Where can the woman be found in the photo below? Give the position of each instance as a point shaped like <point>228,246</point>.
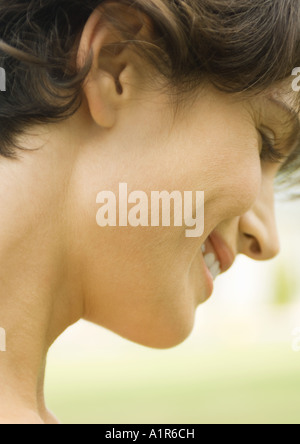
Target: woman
<point>159,95</point>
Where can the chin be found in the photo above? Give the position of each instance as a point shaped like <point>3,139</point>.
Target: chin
<point>162,343</point>
<point>169,334</point>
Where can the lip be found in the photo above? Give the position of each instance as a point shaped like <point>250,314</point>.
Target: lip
<point>224,253</point>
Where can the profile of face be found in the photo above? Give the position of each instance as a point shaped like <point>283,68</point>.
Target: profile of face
<point>145,283</point>
<point>73,243</point>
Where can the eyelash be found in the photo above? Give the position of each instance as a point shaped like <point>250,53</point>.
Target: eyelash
<point>269,153</point>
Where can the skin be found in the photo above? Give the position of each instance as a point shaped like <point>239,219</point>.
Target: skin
<point>58,266</point>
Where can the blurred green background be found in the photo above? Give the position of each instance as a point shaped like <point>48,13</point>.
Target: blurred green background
<point>241,365</point>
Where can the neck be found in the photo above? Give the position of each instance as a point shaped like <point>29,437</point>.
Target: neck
<point>39,291</point>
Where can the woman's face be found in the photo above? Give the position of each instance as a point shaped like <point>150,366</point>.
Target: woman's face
<point>145,283</point>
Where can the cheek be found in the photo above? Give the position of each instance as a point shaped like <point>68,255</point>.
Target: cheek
<point>231,180</point>
<point>135,281</point>
<point>242,186</point>
<point>224,158</point>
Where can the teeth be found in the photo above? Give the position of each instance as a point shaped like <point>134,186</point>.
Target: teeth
<point>215,270</point>
<point>210,259</point>
<point>212,264</point>
<point>203,248</point>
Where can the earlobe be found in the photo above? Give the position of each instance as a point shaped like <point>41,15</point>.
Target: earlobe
<point>100,94</point>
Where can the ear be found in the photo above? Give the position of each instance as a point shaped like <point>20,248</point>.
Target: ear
<point>106,87</point>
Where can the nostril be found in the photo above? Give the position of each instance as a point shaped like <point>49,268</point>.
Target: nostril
<point>119,87</point>
<point>254,247</point>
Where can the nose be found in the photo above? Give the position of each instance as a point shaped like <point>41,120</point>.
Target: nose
<point>258,236</point>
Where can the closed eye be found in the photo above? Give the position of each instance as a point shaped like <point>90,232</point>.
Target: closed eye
<point>269,153</point>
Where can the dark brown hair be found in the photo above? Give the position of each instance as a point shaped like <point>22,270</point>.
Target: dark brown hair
<point>239,45</point>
